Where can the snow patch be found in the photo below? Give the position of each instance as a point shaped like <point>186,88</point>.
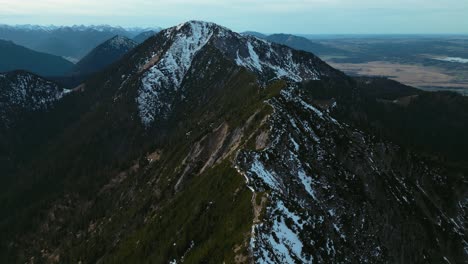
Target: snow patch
<point>307,182</point>
<point>278,60</point>
<point>28,92</point>
<point>268,178</point>
<point>452,59</point>
<point>251,62</point>
<point>167,75</point>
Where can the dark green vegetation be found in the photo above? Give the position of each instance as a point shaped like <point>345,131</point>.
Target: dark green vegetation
<point>433,123</point>
<point>14,57</point>
<point>219,206</point>
<point>430,123</point>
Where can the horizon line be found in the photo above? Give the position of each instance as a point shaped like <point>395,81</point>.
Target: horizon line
<point>242,31</point>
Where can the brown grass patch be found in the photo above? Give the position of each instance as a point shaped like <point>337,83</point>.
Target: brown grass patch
<point>413,75</point>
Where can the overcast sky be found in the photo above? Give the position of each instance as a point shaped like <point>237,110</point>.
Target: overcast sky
<point>268,16</point>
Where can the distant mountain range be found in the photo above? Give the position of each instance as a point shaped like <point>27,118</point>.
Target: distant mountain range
<point>15,57</point>
<point>72,42</point>
<point>104,55</point>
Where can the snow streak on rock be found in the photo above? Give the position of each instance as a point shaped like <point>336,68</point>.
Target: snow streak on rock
<point>167,75</point>
<point>324,202</point>
<point>283,238</point>
<point>276,62</point>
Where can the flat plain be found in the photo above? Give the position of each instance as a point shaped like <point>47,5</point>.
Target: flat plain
<point>425,62</point>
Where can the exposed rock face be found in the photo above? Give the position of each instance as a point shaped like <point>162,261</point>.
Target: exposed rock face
<point>336,195</point>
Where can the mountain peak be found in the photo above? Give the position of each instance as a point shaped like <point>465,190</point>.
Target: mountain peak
<point>197,23</point>
<point>196,26</point>
<point>177,47</point>
<point>104,55</point>
<point>268,60</point>
<point>120,41</point>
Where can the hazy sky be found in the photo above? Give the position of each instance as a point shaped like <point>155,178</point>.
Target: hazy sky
<point>269,16</point>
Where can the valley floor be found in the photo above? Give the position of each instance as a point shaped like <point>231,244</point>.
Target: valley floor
<point>423,77</point>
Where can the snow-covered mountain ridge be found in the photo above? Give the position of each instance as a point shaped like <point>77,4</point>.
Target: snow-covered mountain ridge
<point>100,28</point>
<point>171,60</point>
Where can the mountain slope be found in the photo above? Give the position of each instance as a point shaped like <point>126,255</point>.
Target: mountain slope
<point>22,91</point>
<point>104,55</point>
<point>205,146</point>
<point>332,191</point>
<point>15,57</point>
<point>24,97</point>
